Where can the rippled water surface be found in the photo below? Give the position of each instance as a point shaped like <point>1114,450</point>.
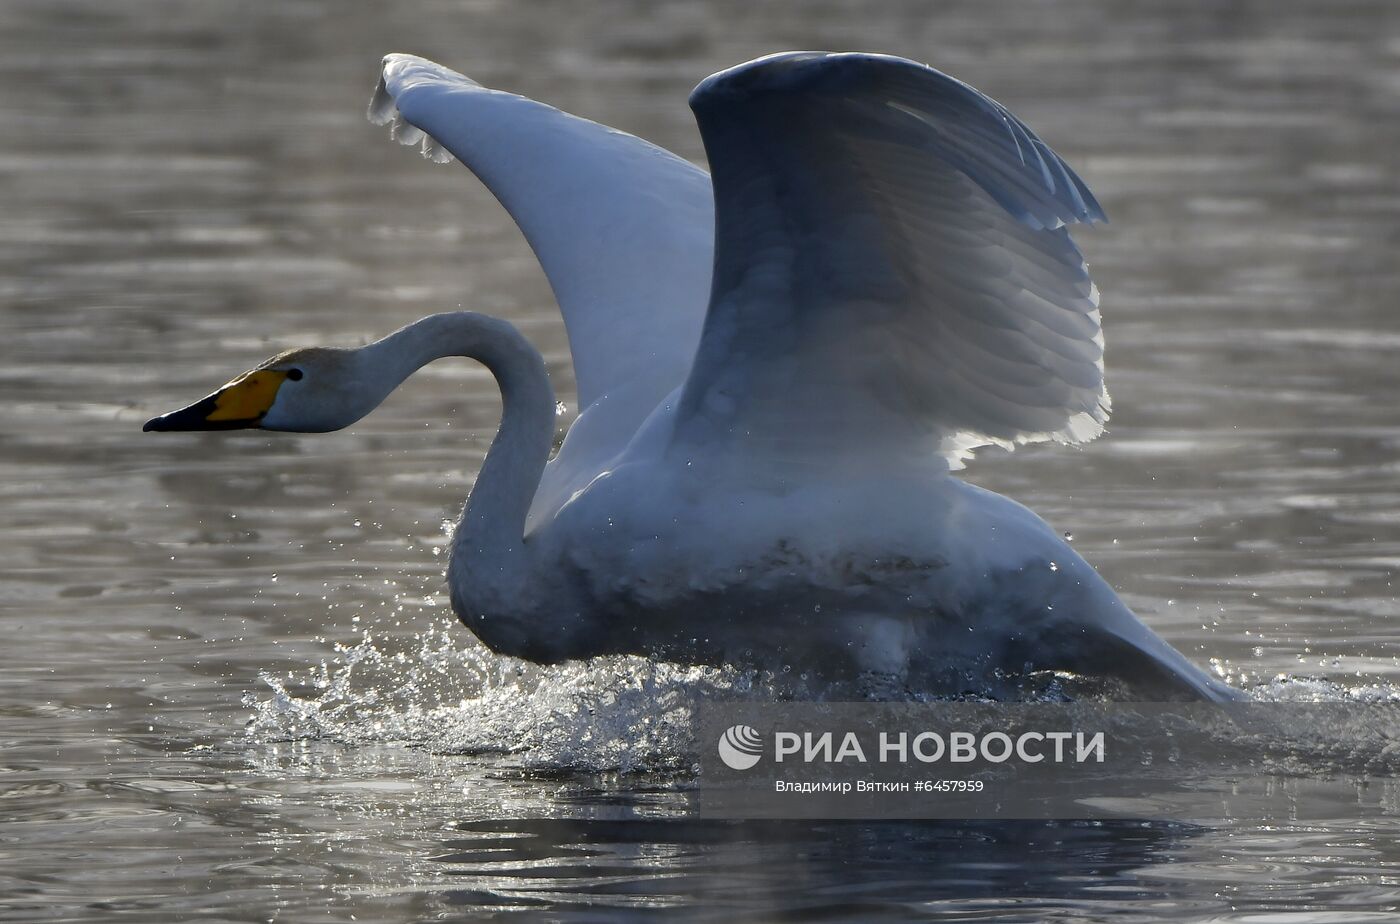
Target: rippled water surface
<point>189,187</point>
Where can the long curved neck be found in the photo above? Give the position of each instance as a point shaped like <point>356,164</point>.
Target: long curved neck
<point>491,532</point>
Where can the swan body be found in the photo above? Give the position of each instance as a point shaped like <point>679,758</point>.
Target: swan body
<point>779,365</point>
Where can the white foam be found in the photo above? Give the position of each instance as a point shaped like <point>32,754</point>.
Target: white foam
<point>442,691</point>
<point>449,694</point>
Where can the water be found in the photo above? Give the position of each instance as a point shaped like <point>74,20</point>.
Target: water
<point>190,187</point>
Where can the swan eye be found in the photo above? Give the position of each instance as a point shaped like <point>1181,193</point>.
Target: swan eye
<point>295,374</point>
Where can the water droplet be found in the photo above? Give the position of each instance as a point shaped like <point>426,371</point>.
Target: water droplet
<point>1054,567</point>
<point>560,408</point>
<point>1069,536</point>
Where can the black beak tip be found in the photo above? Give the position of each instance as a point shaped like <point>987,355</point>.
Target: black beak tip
<point>184,419</point>
<point>196,417</point>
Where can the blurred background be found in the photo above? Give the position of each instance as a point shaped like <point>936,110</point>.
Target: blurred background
<point>190,187</point>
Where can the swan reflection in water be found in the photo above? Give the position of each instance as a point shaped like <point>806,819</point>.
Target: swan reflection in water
<point>779,365</point>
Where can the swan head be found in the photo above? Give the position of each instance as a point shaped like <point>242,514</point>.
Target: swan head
<point>312,390</point>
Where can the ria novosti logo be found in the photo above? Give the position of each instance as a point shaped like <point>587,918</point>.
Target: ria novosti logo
<point>740,747</point>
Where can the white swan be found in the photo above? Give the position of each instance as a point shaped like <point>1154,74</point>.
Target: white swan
<point>777,368</point>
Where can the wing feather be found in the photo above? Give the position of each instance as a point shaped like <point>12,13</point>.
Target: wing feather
<point>892,271</point>
<point>623,229</point>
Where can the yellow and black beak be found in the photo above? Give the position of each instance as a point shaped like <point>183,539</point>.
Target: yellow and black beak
<point>240,404</point>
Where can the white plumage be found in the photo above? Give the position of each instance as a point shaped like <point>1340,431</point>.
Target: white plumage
<point>777,369</point>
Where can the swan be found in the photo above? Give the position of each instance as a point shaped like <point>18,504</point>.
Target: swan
<point>779,365</point>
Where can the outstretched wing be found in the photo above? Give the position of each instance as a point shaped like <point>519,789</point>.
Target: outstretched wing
<point>892,271</point>
<point>623,229</point>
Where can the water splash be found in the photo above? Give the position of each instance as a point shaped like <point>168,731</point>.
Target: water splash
<point>1290,689</point>
<point>446,693</point>
<point>442,691</point>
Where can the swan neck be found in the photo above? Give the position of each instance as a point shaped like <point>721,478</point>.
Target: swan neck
<point>492,526</point>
